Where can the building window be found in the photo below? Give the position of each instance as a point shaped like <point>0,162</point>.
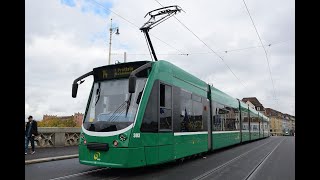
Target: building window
<point>258,108</point>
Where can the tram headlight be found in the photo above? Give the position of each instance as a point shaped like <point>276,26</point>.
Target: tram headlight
<point>115,143</point>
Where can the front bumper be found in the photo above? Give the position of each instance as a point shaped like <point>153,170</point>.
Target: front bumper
<point>114,157</point>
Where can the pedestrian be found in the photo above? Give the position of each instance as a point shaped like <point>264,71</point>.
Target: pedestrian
<point>30,133</point>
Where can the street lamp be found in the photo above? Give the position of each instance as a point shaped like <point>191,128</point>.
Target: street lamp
<point>112,30</point>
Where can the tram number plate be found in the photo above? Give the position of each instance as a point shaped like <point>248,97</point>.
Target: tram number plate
<point>136,135</point>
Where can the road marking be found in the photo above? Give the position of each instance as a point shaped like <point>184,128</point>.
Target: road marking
<point>256,169</point>
<point>206,174</point>
<point>79,174</point>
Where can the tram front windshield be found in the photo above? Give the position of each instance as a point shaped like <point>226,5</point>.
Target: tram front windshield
<point>111,107</point>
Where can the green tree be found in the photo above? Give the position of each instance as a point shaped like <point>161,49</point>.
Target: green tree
<point>56,122</point>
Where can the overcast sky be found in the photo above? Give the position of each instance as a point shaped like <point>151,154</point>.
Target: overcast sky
<point>65,39</point>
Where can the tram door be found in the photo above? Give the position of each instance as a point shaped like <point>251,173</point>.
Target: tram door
<point>165,135</point>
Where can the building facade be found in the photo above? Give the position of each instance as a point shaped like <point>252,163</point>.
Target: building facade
<point>276,118</point>
<point>78,118</point>
<point>254,103</point>
<point>285,124</point>
<point>293,125</point>
<point>280,124</point>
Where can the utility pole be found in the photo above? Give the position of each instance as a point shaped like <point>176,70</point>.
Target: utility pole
<point>111,31</point>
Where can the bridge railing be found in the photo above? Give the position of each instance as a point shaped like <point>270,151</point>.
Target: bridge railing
<point>57,136</point>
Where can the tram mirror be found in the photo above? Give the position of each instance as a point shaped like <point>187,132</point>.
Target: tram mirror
<point>132,84</point>
<point>74,90</point>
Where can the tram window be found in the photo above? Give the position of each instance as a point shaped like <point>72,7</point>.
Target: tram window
<point>196,123</point>
<point>237,118</point>
<point>168,99</point>
<point>162,95</point>
<point>176,108</point>
<point>165,107</point>
<point>165,119</point>
<point>245,121</point>
<point>192,112</point>
<point>205,114</point>
<point>230,119</point>
<point>196,98</point>
<point>150,119</point>
<point>219,117</point>
<point>165,95</point>
<point>185,110</point>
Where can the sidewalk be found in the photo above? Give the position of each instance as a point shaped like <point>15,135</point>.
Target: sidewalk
<point>51,154</point>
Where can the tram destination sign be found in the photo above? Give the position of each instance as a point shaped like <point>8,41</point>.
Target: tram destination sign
<point>117,71</point>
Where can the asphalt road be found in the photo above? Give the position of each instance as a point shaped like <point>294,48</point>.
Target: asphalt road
<point>270,158</point>
<point>280,164</point>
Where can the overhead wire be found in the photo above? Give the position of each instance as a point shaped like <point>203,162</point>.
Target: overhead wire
<point>196,53</point>
<point>274,91</point>
<point>212,51</point>
<point>181,53</point>
<point>108,9</point>
<point>262,45</point>
<point>207,47</point>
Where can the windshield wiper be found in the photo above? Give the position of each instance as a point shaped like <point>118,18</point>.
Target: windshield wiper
<point>139,96</point>
<point>128,104</point>
<point>119,110</point>
<point>98,93</point>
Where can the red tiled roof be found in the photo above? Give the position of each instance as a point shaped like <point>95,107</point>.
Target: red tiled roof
<point>253,100</point>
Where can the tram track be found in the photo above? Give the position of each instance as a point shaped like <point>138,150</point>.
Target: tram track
<point>254,171</point>
<point>230,162</point>
<point>83,173</point>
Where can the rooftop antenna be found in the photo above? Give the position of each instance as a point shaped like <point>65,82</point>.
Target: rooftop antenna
<point>164,13</point>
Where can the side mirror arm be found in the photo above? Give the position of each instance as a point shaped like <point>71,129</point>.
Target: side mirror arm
<point>75,84</point>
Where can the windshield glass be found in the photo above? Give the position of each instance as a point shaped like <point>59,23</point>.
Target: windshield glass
<point>111,108</point>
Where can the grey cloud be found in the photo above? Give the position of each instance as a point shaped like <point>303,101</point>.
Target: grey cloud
<point>59,48</point>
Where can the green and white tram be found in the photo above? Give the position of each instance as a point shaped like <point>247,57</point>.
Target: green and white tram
<point>150,112</point>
